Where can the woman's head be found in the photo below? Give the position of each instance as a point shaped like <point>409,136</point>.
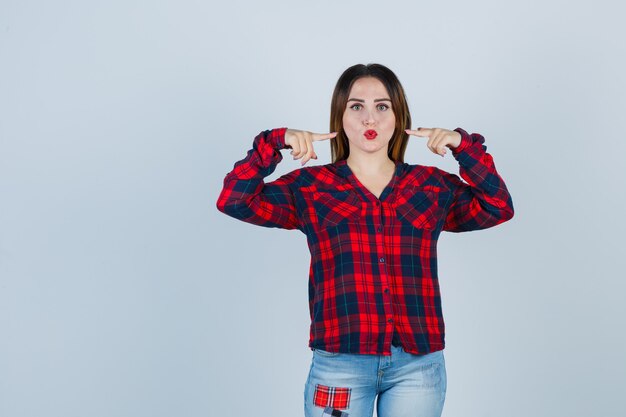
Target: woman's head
<point>340,145</point>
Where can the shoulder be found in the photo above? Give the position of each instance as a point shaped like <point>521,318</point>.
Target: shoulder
<point>305,176</point>
<point>425,175</point>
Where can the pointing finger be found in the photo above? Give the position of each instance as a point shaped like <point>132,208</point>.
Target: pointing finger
<point>421,131</point>
<point>320,136</point>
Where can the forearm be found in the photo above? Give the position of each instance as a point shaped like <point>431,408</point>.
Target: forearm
<point>485,200</point>
<point>245,195</point>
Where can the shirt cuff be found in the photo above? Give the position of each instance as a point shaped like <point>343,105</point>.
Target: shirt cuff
<point>466,141</point>
<point>278,137</point>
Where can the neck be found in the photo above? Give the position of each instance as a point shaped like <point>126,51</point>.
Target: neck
<point>370,164</point>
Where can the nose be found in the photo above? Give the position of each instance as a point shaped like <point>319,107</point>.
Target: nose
<point>368,118</point>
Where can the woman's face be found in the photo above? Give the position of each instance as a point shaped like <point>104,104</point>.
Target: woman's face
<point>368,120</point>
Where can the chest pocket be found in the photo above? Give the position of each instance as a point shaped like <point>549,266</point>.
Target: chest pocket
<point>421,207</point>
<point>336,207</point>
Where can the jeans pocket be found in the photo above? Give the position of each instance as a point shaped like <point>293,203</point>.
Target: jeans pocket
<point>321,352</point>
<point>431,375</point>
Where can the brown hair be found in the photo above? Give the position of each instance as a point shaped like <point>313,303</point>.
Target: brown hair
<point>339,146</point>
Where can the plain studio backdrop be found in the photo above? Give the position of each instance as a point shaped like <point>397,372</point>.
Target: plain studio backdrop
<point>124,292</point>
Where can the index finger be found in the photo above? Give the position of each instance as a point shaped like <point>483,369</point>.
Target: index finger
<point>421,131</point>
<point>324,136</point>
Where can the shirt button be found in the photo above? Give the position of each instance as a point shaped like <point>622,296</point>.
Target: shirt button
<point>389,320</point>
<point>380,228</point>
<point>386,290</point>
<point>382,260</point>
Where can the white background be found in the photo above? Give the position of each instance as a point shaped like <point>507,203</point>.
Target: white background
<point>124,292</point>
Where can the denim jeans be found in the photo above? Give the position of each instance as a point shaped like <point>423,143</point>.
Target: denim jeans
<point>345,384</point>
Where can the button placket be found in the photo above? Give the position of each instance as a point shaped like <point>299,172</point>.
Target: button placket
<point>379,215</point>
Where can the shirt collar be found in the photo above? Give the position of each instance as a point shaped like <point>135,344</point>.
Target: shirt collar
<point>344,170</point>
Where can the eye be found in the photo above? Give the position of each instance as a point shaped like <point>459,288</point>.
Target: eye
<point>383,107</point>
<point>355,105</point>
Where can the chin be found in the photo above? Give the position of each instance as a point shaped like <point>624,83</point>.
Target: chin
<point>374,149</point>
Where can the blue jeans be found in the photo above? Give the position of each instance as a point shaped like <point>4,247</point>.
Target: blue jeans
<point>345,384</point>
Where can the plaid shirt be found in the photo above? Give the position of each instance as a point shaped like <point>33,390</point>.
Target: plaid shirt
<point>373,261</point>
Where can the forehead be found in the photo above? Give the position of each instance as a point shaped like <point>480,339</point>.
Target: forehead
<point>368,87</point>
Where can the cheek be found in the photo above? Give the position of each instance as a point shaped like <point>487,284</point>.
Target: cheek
<point>390,121</point>
<point>348,123</point>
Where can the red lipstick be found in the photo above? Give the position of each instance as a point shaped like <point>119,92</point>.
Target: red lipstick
<point>370,134</point>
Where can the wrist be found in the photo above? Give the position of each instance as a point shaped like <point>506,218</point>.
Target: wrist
<point>466,140</point>
<point>280,134</point>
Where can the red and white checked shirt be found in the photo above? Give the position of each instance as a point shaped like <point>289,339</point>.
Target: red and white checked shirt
<point>373,261</point>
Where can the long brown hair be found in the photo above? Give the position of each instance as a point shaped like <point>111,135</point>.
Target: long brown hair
<point>339,145</point>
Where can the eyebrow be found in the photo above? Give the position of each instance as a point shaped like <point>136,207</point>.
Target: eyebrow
<point>363,101</point>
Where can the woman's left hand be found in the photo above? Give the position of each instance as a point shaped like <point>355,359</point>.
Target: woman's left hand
<point>438,138</point>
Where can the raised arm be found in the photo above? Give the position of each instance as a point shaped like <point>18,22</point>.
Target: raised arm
<point>247,197</point>
<point>484,201</point>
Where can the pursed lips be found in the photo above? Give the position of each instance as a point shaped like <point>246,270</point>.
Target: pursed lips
<point>370,134</point>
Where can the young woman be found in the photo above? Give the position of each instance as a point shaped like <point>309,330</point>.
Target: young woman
<point>372,224</point>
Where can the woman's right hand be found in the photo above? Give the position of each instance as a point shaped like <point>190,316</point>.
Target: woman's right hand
<point>301,143</point>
